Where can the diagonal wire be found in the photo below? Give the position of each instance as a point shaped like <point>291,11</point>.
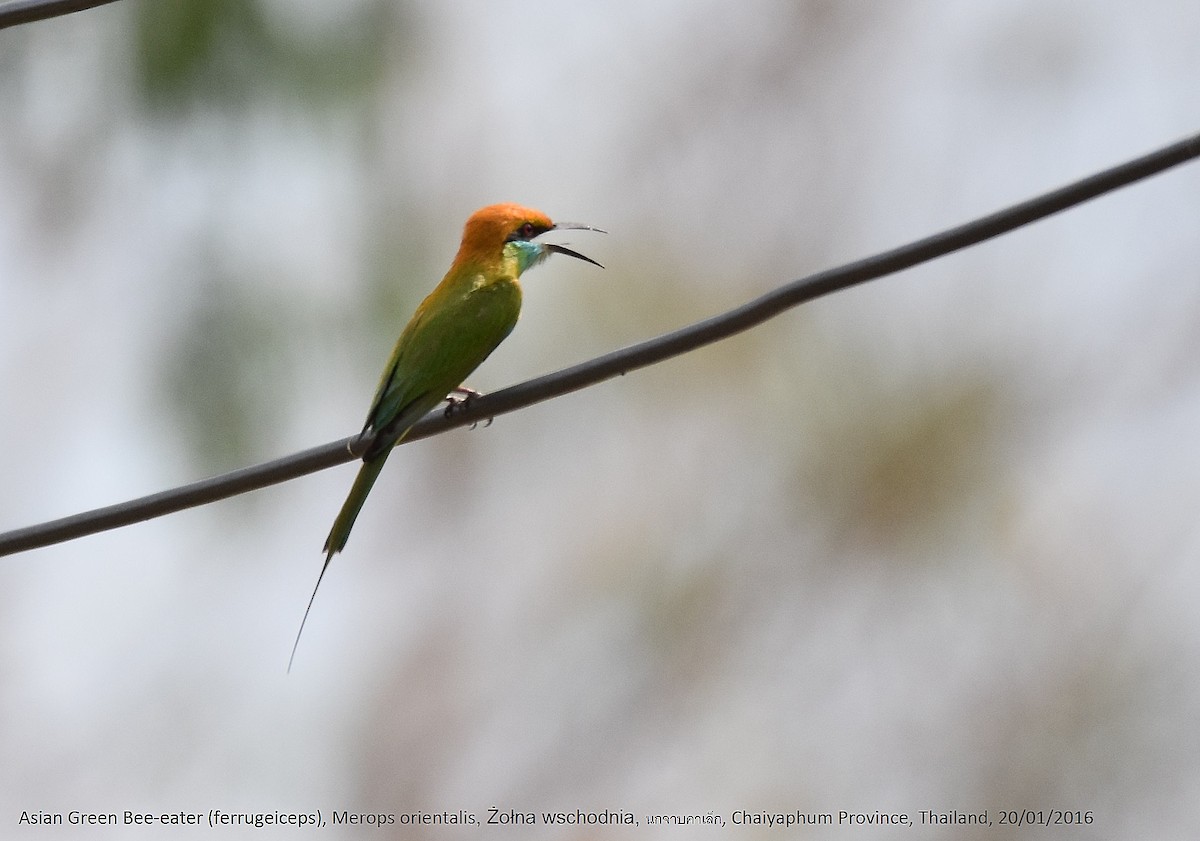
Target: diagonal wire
<point>616,363</point>
<point>28,11</point>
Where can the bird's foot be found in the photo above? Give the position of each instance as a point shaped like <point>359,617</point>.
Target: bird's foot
<point>458,399</point>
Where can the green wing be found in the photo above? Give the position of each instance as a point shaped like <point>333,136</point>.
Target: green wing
<point>451,333</point>
<point>447,339</point>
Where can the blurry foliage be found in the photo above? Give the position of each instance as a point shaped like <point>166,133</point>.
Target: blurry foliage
<point>229,370</point>
<point>400,271</point>
<point>229,52</point>
<point>901,472</point>
<point>282,65</point>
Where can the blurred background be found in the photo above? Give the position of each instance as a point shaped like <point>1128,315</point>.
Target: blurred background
<point>931,543</point>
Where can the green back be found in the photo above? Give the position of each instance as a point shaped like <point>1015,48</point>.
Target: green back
<point>452,332</point>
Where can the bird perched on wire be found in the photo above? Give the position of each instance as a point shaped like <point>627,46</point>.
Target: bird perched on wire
<point>454,329</point>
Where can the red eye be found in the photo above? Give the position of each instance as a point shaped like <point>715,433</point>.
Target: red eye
<point>527,230</point>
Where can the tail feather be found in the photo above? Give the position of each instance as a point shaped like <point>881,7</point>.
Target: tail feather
<point>363,482</point>
<point>340,533</point>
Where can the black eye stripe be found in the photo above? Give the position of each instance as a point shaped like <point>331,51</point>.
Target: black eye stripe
<point>526,231</point>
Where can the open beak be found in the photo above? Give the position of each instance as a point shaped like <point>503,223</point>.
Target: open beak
<point>561,249</point>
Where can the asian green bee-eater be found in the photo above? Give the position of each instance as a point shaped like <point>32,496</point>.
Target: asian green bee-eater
<point>470,312</point>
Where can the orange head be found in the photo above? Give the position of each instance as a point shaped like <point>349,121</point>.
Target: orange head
<point>508,230</point>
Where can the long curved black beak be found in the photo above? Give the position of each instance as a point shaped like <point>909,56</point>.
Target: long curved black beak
<point>577,226</point>
<point>562,249</point>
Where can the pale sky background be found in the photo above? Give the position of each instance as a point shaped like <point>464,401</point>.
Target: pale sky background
<point>932,543</point>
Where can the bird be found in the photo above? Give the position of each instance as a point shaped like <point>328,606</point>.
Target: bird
<point>455,328</point>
